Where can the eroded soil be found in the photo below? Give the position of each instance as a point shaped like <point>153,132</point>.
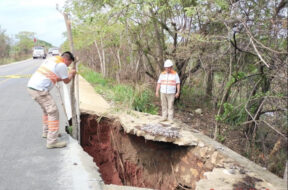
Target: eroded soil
<point>125,159</point>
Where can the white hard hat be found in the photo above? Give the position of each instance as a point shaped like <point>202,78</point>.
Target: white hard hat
<point>168,63</point>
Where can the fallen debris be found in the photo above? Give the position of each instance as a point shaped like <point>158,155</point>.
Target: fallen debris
<point>157,129</point>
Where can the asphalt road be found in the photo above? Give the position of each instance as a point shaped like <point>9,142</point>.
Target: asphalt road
<point>25,163</point>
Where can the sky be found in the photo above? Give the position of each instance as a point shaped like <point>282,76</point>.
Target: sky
<point>38,16</point>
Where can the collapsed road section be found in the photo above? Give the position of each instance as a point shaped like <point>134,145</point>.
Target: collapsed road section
<point>126,159</point>
<point>136,149</point>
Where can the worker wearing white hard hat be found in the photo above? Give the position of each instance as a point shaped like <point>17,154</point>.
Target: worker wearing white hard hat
<point>168,63</point>
<point>169,86</point>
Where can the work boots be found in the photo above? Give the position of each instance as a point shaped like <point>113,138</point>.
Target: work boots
<point>59,144</point>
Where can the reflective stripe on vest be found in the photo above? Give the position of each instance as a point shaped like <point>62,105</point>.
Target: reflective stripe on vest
<point>47,72</point>
<point>168,82</point>
<point>171,72</point>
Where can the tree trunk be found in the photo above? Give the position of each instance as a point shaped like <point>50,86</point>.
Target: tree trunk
<point>285,176</point>
<point>209,83</point>
<point>160,56</point>
<point>101,57</point>
<point>251,127</point>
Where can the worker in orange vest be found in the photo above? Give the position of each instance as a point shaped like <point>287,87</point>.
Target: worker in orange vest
<point>169,86</point>
<point>50,72</point>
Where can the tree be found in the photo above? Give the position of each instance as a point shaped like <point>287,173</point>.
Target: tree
<point>235,50</point>
<point>25,43</point>
<point>4,44</point>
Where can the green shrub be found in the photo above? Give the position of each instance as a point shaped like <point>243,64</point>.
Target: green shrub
<point>138,98</point>
<point>232,115</point>
<point>123,94</point>
<point>143,102</point>
<point>92,76</point>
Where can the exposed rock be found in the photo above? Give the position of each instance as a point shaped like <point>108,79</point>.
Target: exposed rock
<point>198,111</point>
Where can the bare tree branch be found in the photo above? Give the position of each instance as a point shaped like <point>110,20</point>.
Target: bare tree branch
<point>276,130</point>
<point>280,7</point>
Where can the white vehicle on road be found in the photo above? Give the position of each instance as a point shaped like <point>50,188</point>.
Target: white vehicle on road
<point>55,52</point>
<point>39,52</point>
<point>50,51</point>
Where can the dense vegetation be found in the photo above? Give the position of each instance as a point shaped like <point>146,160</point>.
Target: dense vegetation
<point>231,52</point>
<point>18,48</point>
<point>126,97</point>
<point>231,56</point>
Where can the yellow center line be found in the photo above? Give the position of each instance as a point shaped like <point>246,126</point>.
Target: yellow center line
<point>15,75</point>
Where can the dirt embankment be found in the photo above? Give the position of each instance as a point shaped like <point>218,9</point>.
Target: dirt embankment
<point>125,159</point>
